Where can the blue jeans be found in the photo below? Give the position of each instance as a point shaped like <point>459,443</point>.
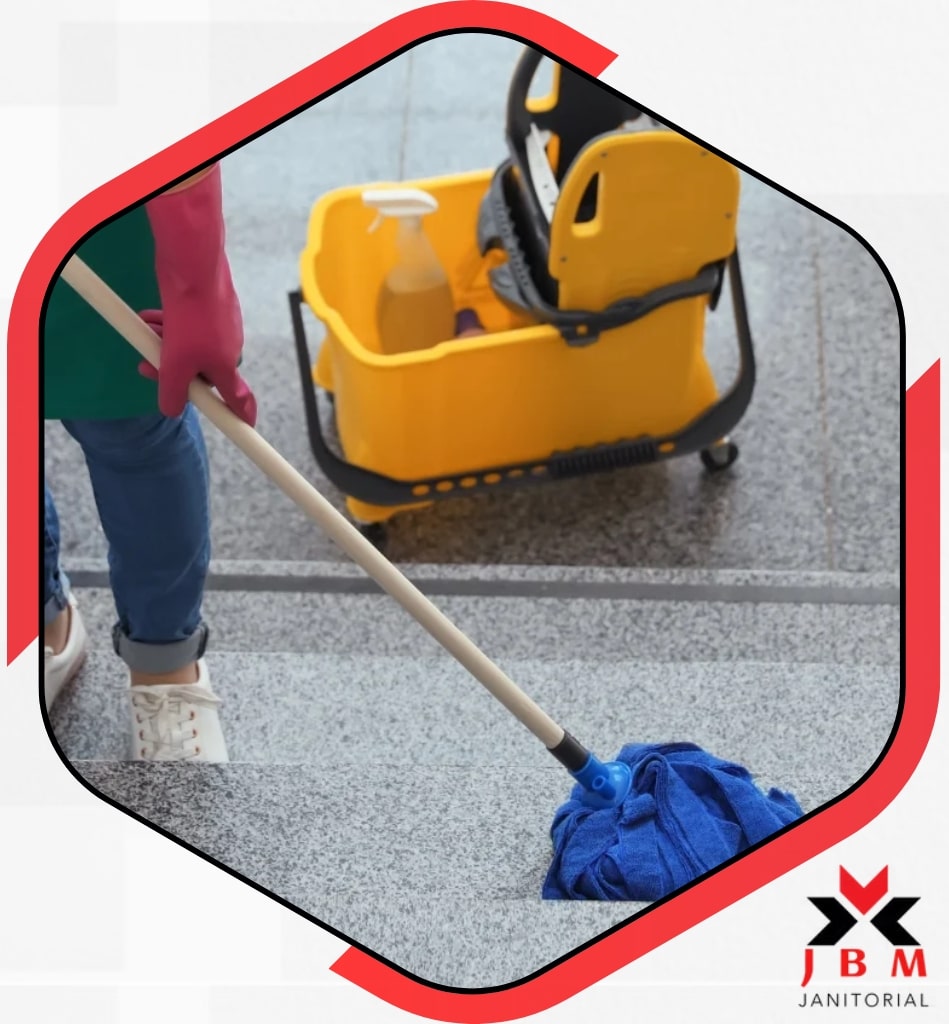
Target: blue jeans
<point>150,480</point>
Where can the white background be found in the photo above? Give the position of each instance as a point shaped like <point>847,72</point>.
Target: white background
<point>843,103</point>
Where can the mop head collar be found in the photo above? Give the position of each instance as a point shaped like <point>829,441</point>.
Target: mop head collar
<point>685,813</point>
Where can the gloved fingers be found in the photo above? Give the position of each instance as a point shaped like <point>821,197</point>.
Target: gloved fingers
<point>174,379</point>
<point>237,395</point>
<point>178,370</point>
<point>156,320</point>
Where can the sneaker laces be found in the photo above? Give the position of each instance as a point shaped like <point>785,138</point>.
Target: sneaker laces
<point>167,720</point>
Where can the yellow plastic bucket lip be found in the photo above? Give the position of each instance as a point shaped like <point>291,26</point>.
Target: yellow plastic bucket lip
<point>335,322</point>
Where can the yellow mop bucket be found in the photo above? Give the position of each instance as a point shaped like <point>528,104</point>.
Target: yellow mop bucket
<point>527,401</point>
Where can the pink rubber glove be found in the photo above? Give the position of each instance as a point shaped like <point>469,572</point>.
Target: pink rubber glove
<point>202,329</point>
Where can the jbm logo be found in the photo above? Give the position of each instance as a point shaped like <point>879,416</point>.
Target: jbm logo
<point>850,961</point>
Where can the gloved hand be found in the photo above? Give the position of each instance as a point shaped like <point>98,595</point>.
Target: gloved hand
<point>201,325</point>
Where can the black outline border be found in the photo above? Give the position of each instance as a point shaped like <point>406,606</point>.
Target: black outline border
<point>763,179</point>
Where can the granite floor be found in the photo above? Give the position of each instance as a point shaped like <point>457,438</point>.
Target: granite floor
<point>756,612</point>
<point>375,787</point>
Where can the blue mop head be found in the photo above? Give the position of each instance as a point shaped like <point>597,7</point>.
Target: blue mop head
<point>686,813</point>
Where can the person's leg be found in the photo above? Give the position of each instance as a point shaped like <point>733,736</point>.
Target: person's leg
<point>64,635</point>
<point>150,480</point>
<point>55,582</point>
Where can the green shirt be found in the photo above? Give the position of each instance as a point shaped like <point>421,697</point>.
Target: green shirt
<point>89,370</point>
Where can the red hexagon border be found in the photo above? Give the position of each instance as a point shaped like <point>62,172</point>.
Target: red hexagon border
<point>921,417</point>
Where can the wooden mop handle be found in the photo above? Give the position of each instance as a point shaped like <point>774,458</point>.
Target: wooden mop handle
<point>141,337</point>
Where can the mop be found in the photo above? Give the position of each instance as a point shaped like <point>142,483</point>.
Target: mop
<point>647,822</point>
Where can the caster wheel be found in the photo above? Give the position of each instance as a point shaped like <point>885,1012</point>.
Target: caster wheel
<point>720,457</point>
<point>375,533</point>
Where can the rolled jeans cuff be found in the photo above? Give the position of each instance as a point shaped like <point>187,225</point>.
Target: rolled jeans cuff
<point>58,598</point>
<point>156,659</point>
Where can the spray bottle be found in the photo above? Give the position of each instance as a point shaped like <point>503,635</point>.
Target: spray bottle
<point>415,308</point>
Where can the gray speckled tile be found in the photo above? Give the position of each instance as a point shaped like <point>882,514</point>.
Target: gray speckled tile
<point>344,846</point>
<point>453,143</point>
<point>861,335</point>
<point>456,114</point>
<point>333,710</point>
<point>472,834</point>
<point>467,73</point>
<point>544,629</point>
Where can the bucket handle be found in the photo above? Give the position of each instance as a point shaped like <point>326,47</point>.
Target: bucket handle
<point>703,434</point>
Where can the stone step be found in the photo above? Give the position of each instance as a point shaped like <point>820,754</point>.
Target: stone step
<point>437,869</point>
<point>328,710</point>
<point>549,613</point>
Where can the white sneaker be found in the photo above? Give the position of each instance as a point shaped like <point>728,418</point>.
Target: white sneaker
<point>177,722</point>
<point>59,669</point>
